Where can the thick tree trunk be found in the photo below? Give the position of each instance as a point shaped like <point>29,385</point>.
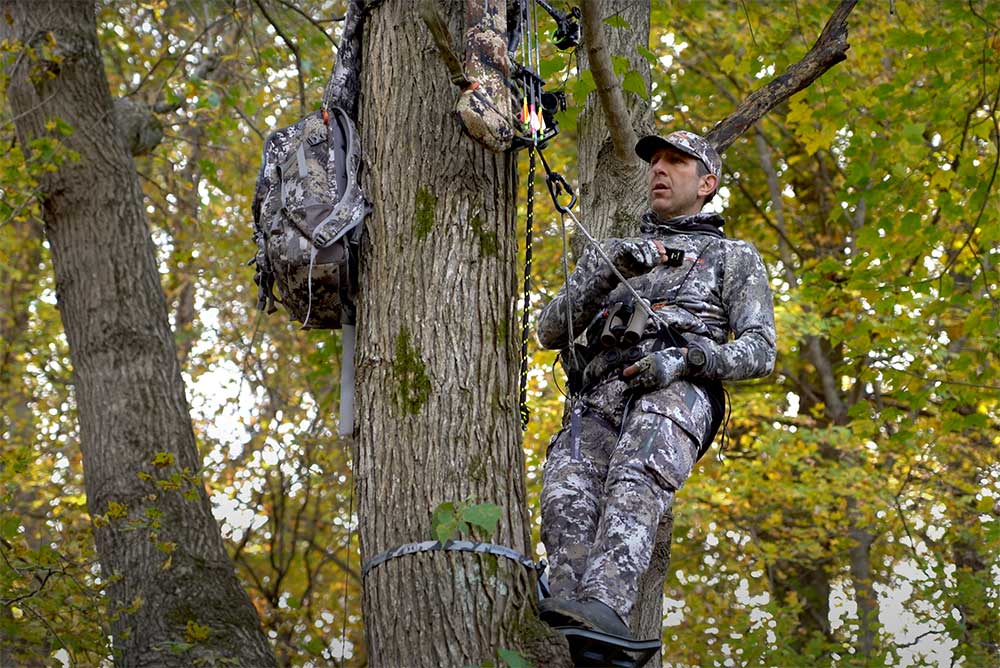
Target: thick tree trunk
<point>174,598</point>
<point>437,368</point>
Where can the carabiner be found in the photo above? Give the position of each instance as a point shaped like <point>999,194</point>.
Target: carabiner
<point>557,186</point>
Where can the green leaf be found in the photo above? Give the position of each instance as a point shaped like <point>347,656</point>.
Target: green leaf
<point>179,647</point>
<point>634,83</point>
<point>9,526</point>
<point>314,646</point>
<point>648,55</point>
<point>444,522</point>
<point>617,21</point>
<point>448,529</point>
<point>583,86</point>
<point>443,513</point>
<point>482,515</point>
<point>621,64</point>
<point>913,133</point>
<point>550,66</point>
<point>512,658</point>
<point>566,120</point>
<point>163,459</point>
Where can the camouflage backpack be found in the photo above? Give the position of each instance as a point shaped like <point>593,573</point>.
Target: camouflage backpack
<point>308,210</point>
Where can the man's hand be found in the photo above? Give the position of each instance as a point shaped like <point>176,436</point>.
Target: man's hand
<point>656,370</point>
<point>633,257</point>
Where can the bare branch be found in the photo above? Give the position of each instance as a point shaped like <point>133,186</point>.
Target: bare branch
<point>316,24</point>
<point>295,52</point>
<point>829,49</point>
<point>609,89</point>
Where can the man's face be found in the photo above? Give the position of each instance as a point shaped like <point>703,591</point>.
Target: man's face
<point>675,189</point>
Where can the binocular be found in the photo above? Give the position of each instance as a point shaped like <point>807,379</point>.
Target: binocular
<point>625,325</point>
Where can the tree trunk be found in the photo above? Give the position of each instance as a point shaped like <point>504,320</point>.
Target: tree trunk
<point>437,365</point>
<point>174,598</point>
<point>863,579</point>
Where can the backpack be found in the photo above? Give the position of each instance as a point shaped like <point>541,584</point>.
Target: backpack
<point>308,210</point>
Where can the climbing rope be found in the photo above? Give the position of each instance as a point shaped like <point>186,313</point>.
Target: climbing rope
<point>526,303</point>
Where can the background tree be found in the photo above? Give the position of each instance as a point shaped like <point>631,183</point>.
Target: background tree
<point>170,582</point>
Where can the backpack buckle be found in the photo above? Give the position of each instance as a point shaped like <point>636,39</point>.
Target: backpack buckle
<point>316,137</point>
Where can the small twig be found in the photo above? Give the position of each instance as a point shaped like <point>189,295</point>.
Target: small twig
<point>986,194</point>
<point>178,59</point>
<point>746,12</point>
<point>767,219</point>
<point>906,528</point>
<point>316,24</point>
<point>917,639</point>
<point>295,52</point>
<point>250,124</point>
<point>38,589</point>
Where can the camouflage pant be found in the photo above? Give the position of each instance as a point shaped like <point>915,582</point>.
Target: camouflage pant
<point>603,496</point>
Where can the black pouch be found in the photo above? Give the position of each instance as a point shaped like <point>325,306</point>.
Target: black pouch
<point>574,360</point>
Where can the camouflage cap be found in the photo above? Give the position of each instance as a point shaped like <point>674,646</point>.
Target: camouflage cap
<point>685,142</point>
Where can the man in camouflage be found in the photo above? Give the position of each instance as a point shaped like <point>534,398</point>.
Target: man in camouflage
<point>646,390</point>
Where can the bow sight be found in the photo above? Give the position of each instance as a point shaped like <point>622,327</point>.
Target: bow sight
<point>567,33</point>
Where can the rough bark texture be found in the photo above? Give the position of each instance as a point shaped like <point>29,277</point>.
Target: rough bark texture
<point>161,553</point>
<point>437,365</point>
<point>613,192</point>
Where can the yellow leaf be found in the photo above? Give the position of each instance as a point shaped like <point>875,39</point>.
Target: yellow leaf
<point>799,111</point>
<point>942,179</point>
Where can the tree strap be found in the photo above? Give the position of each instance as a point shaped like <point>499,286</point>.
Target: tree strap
<point>452,546</point>
<point>431,15</point>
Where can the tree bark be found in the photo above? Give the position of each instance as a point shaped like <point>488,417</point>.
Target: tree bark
<point>613,191</point>
<point>437,365</point>
<point>174,598</point>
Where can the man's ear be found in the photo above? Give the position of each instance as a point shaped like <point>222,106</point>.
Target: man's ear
<point>707,185</point>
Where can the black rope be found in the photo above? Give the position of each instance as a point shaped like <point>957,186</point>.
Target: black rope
<point>526,304</point>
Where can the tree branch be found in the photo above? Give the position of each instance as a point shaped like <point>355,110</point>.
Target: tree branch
<point>829,49</point>
<point>295,52</point>
<point>609,89</point>
<point>316,24</point>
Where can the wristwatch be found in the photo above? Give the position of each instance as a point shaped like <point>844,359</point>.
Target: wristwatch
<point>696,359</point>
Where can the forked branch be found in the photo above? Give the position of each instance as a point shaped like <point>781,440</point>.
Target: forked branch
<point>830,48</point>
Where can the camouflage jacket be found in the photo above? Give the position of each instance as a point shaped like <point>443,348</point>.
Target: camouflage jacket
<point>711,288</point>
